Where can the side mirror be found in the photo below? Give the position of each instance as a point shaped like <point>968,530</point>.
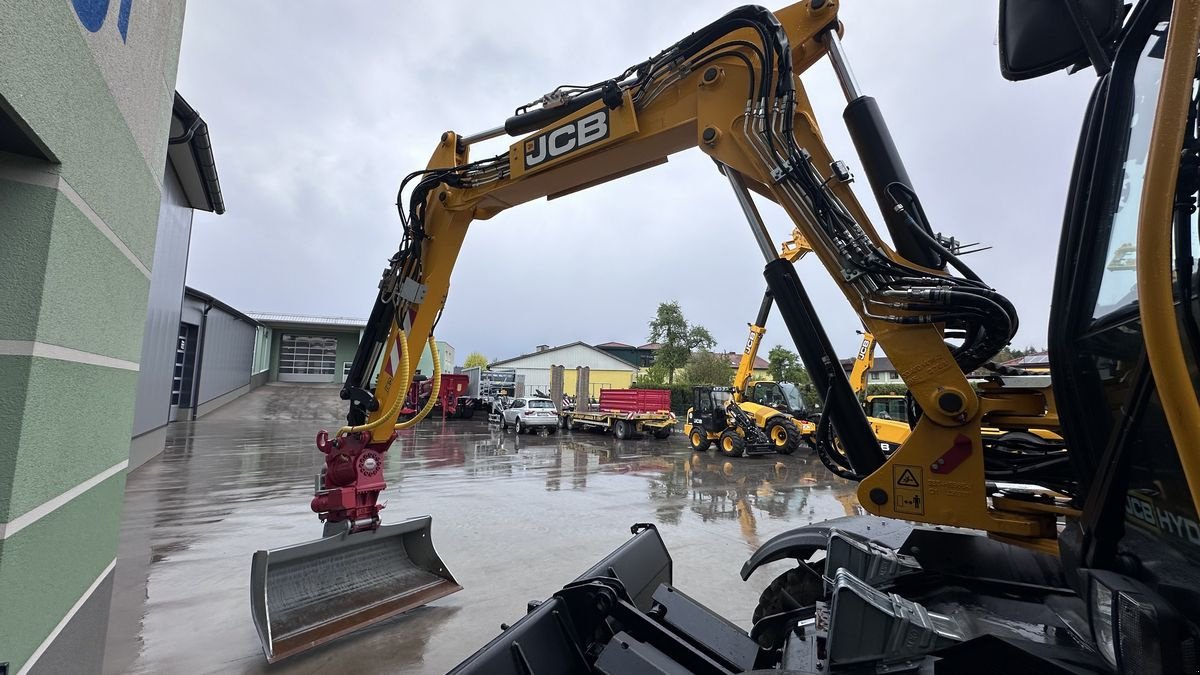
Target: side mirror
<point>1042,36</point>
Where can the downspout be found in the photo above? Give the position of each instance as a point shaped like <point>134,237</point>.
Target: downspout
<point>199,360</point>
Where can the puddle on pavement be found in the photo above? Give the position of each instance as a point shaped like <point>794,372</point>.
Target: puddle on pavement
<point>514,518</point>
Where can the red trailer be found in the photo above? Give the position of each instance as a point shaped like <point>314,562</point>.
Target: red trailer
<point>626,413</point>
<point>452,398</point>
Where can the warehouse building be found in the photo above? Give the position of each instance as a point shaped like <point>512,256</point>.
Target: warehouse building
<point>87,94</point>
<point>303,348</point>
<point>317,349</point>
<point>169,354</point>
<point>606,370</point>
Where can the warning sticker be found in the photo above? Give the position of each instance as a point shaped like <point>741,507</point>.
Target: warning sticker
<point>908,489</point>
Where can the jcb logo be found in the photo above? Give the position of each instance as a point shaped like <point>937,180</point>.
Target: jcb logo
<point>862,349</point>
<point>570,136</point>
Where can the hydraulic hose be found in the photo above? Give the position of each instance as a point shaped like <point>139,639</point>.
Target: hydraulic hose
<point>433,393</point>
<point>395,409</point>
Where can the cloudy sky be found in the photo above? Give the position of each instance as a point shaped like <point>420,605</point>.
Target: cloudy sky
<point>317,111</point>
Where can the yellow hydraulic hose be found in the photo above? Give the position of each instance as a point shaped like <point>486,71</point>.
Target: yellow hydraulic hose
<point>433,393</point>
<point>1164,346</point>
<point>403,376</point>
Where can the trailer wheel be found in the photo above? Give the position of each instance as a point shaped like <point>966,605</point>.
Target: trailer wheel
<point>699,440</point>
<point>663,432</point>
<point>731,443</point>
<point>784,434</point>
<point>798,587</point>
<point>621,430</point>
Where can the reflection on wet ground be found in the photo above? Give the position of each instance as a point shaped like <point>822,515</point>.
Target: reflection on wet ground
<point>514,518</point>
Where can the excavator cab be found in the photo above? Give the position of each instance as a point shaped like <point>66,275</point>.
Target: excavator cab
<point>886,407</point>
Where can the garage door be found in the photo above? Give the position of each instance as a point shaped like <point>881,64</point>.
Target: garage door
<point>307,358</point>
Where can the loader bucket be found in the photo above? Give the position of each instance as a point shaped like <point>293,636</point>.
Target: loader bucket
<point>308,594</point>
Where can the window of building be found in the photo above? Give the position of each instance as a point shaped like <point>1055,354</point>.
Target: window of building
<point>307,355</point>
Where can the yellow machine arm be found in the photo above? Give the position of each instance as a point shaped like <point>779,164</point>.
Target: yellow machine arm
<point>863,363</point>
<point>732,89</point>
<point>791,251</point>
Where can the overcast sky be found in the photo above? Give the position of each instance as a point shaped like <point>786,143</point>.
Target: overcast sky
<point>317,111</point>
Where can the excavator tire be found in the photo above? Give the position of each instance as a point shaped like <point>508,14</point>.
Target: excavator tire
<point>784,434</point>
<point>699,440</point>
<point>731,443</point>
<point>798,587</point>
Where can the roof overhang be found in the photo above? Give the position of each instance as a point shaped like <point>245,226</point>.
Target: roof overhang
<point>189,150</point>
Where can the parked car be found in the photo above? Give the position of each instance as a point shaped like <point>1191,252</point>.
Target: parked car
<point>526,413</point>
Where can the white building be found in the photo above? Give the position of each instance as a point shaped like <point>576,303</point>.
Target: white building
<point>606,371</point>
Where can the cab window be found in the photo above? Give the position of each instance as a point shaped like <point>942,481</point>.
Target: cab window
<point>1118,282</point>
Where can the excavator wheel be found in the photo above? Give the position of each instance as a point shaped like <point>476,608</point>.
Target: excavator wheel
<point>731,443</point>
<point>699,440</point>
<point>798,587</point>
<point>784,434</point>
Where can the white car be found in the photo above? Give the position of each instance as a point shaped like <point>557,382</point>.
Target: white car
<point>526,413</point>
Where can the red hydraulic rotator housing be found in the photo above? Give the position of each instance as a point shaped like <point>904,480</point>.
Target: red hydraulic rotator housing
<point>352,480</point>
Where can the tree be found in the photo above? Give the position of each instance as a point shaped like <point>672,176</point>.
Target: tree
<point>678,338</point>
<point>476,359</point>
<point>785,366</point>
<point>781,360</point>
<point>1008,353</point>
<point>705,367</point>
<point>652,376</point>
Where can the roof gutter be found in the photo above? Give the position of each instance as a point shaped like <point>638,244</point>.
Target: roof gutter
<point>196,136</point>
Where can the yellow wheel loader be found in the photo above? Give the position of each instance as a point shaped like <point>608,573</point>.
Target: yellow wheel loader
<point>980,557</point>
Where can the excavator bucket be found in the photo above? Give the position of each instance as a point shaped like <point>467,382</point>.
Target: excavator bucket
<point>308,594</point>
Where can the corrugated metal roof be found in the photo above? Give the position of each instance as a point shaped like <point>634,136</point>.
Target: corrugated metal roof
<point>201,295</point>
<point>283,317</point>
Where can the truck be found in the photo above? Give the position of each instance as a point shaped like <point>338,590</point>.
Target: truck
<point>486,386</point>
<point>626,413</point>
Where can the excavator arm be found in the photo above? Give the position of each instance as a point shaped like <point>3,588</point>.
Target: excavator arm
<point>731,89</point>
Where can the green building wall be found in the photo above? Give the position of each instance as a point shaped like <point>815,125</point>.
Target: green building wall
<point>77,230</point>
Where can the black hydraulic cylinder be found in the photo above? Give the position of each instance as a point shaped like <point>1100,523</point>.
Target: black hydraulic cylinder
<point>764,310</point>
<point>883,166</point>
<point>823,366</point>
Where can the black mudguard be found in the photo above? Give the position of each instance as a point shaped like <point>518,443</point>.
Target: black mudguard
<point>802,542</point>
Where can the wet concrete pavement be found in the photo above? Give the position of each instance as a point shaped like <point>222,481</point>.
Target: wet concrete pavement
<point>514,518</point>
